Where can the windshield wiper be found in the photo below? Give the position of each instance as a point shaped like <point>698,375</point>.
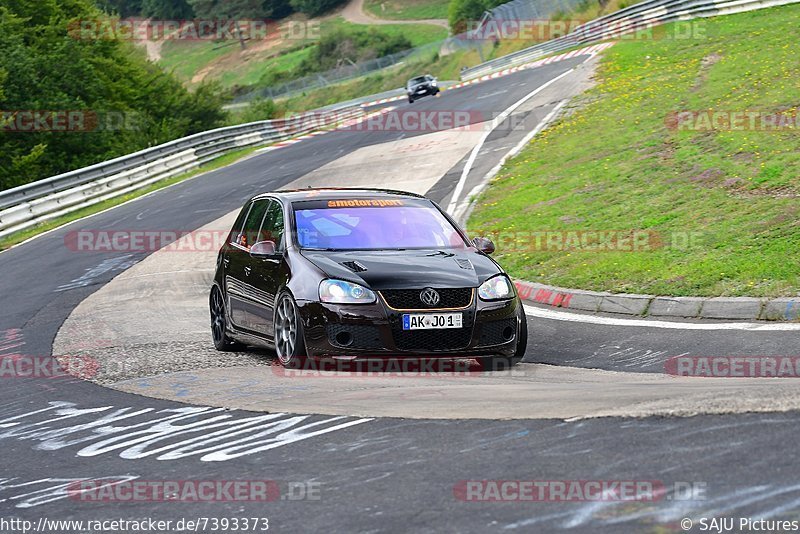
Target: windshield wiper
<point>441,253</point>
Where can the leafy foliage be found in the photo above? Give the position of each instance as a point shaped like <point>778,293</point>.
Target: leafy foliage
<point>136,103</point>
<point>256,9</point>
<point>167,9</point>
<point>460,12</point>
<point>123,8</point>
<point>314,8</point>
<point>342,46</point>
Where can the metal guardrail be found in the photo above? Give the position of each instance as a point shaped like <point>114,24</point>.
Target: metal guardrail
<point>513,10</point>
<point>638,17</point>
<point>27,205</point>
<point>340,74</point>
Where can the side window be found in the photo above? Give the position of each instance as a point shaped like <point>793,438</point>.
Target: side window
<point>236,231</point>
<point>249,234</point>
<point>273,227</point>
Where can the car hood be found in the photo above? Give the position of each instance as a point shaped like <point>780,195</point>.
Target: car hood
<point>406,269</point>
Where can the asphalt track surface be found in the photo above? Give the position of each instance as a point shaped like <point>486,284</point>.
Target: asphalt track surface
<point>383,474</point>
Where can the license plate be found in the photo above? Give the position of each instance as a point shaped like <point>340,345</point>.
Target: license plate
<point>431,321</point>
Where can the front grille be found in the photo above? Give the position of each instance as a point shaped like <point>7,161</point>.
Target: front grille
<point>442,339</point>
<point>492,332</point>
<point>409,299</point>
<point>434,340</point>
<point>362,336</point>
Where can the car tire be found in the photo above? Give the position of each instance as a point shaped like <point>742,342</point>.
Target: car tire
<point>219,323</point>
<point>502,363</point>
<point>290,345</point>
<point>410,100</point>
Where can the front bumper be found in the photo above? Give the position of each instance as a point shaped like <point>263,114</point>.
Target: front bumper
<point>423,91</point>
<point>375,331</point>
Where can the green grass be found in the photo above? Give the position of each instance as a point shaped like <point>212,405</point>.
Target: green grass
<point>226,63</point>
<point>251,72</point>
<point>407,9</point>
<point>614,164</point>
<point>445,68</point>
<point>218,163</point>
<point>186,58</point>
<point>418,34</point>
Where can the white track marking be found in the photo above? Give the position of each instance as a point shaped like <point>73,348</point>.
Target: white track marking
<point>211,434</point>
<point>613,321</point>
<point>495,123</point>
<point>463,207</point>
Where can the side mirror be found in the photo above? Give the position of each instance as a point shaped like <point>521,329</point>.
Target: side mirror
<point>484,244</point>
<point>263,250</point>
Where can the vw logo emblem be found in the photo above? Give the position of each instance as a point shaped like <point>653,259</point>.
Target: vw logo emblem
<point>429,297</point>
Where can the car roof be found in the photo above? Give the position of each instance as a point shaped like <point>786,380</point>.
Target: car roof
<point>336,193</point>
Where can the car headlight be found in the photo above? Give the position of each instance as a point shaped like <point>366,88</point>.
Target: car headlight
<point>496,288</point>
<point>433,83</point>
<point>341,292</point>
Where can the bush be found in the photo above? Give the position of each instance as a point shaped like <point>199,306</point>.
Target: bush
<point>344,45</point>
<point>314,8</point>
<point>259,110</point>
<point>461,12</point>
<point>106,78</point>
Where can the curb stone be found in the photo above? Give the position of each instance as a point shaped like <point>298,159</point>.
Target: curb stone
<point>741,308</point>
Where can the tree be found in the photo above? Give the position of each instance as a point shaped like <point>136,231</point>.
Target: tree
<point>314,8</point>
<point>351,45</point>
<point>277,9</point>
<point>224,11</point>
<point>97,79</point>
<point>123,8</point>
<point>167,9</point>
<point>228,9</point>
<point>461,12</point>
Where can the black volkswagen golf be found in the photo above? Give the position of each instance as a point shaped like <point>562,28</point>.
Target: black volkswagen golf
<point>346,273</point>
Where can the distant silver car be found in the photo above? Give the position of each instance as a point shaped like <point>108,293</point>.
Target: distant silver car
<point>421,86</point>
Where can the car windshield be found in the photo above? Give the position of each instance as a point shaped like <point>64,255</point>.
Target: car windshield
<point>374,224</point>
<point>415,81</point>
